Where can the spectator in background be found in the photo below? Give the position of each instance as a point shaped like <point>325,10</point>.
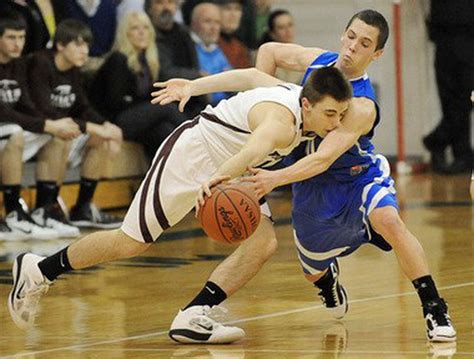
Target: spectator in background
<point>56,88</point>
<point>254,21</point>
<point>205,31</point>
<point>40,18</point>
<point>126,6</point>
<point>451,27</point>
<point>122,87</point>
<point>24,133</point>
<point>178,56</point>
<point>281,28</point>
<point>101,17</point>
<point>236,52</point>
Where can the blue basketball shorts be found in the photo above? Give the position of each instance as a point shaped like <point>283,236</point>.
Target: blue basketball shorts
<point>331,220</point>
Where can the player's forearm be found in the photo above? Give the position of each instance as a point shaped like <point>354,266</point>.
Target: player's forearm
<point>231,81</point>
<point>238,164</point>
<point>307,167</point>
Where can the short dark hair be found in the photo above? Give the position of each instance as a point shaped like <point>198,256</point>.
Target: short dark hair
<point>273,15</point>
<point>11,20</point>
<point>326,81</point>
<point>70,30</point>
<point>375,19</point>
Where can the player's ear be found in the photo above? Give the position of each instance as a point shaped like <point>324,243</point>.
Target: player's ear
<point>306,104</point>
<point>377,54</point>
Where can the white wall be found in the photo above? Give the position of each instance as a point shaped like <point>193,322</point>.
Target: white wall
<point>321,22</point>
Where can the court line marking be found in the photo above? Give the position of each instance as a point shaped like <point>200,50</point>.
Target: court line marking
<point>258,317</point>
<point>243,351</point>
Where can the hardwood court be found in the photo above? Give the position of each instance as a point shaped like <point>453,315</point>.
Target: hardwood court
<point>123,309</point>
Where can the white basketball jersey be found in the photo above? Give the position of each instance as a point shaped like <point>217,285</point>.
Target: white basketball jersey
<point>225,127</point>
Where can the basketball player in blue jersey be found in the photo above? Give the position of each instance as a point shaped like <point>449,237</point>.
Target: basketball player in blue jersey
<point>343,195</point>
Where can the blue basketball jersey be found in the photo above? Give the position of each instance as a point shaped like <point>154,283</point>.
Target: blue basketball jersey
<point>358,158</point>
<point>331,210</point>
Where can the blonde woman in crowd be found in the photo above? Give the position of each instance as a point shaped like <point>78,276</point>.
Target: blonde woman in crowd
<point>121,89</point>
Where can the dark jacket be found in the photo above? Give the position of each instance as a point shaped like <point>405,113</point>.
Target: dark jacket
<point>57,93</point>
<point>16,105</point>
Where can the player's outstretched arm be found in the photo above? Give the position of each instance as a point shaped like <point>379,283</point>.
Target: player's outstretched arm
<point>357,122</point>
<point>181,90</point>
<point>287,56</point>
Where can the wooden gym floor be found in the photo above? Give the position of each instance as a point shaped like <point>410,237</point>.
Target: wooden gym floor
<point>123,309</point>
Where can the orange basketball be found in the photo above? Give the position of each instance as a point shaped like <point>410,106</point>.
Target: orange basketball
<point>231,214</point>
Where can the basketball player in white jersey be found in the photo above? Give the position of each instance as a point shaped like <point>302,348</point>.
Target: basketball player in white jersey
<point>253,128</point>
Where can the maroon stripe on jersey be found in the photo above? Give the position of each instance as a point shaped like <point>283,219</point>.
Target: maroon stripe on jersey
<point>217,120</point>
<point>162,156</point>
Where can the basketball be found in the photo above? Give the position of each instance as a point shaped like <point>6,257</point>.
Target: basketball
<point>231,214</point>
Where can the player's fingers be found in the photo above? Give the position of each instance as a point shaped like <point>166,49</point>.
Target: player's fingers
<point>197,206</point>
<point>253,170</point>
<point>183,103</point>
<point>207,191</point>
<point>160,84</point>
<point>248,179</point>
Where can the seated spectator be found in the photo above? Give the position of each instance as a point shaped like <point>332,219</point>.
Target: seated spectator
<point>236,52</point>
<point>122,87</point>
<point>205,31</point>
<point>254,22</point>
<point>40,19</point>
<point>25,132</point>
<point>56,89</point>
<point>281,28</point>
<point>101,17</point>
<point>178,56</point>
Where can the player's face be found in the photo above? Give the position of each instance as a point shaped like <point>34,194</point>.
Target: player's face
<point>324,116</point>
<point>11,44</point>
<point>358,46</point>
<point>138,34</point>
<point>284,29</point>
<point>75,53</point>
<point>231,15</point>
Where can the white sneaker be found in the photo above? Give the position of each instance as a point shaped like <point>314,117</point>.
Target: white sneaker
<point>24,225</point>
<point>439,327</point>
<point>45,217</point>
<point>29,285</point>
<point>196,325</point>
<point>6,233</point>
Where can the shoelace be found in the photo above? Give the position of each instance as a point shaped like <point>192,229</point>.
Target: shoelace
<point>439,313</point>
<point>332,296</point>
<point>216,313</point>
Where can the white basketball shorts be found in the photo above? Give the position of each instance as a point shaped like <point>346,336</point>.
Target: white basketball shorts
<point>168,191</point>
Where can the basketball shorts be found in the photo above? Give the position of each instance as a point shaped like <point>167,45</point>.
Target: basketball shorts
<point>34,142</point>
<point>168,191</point>
<point>337,223</point>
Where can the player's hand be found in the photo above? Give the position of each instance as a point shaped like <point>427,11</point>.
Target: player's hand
<point>262,181</point>
<point>64,128</point>
<point>205,190</point>
<point>178,90</point>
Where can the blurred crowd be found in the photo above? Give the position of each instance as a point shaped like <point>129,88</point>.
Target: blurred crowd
<point>75,82</point>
